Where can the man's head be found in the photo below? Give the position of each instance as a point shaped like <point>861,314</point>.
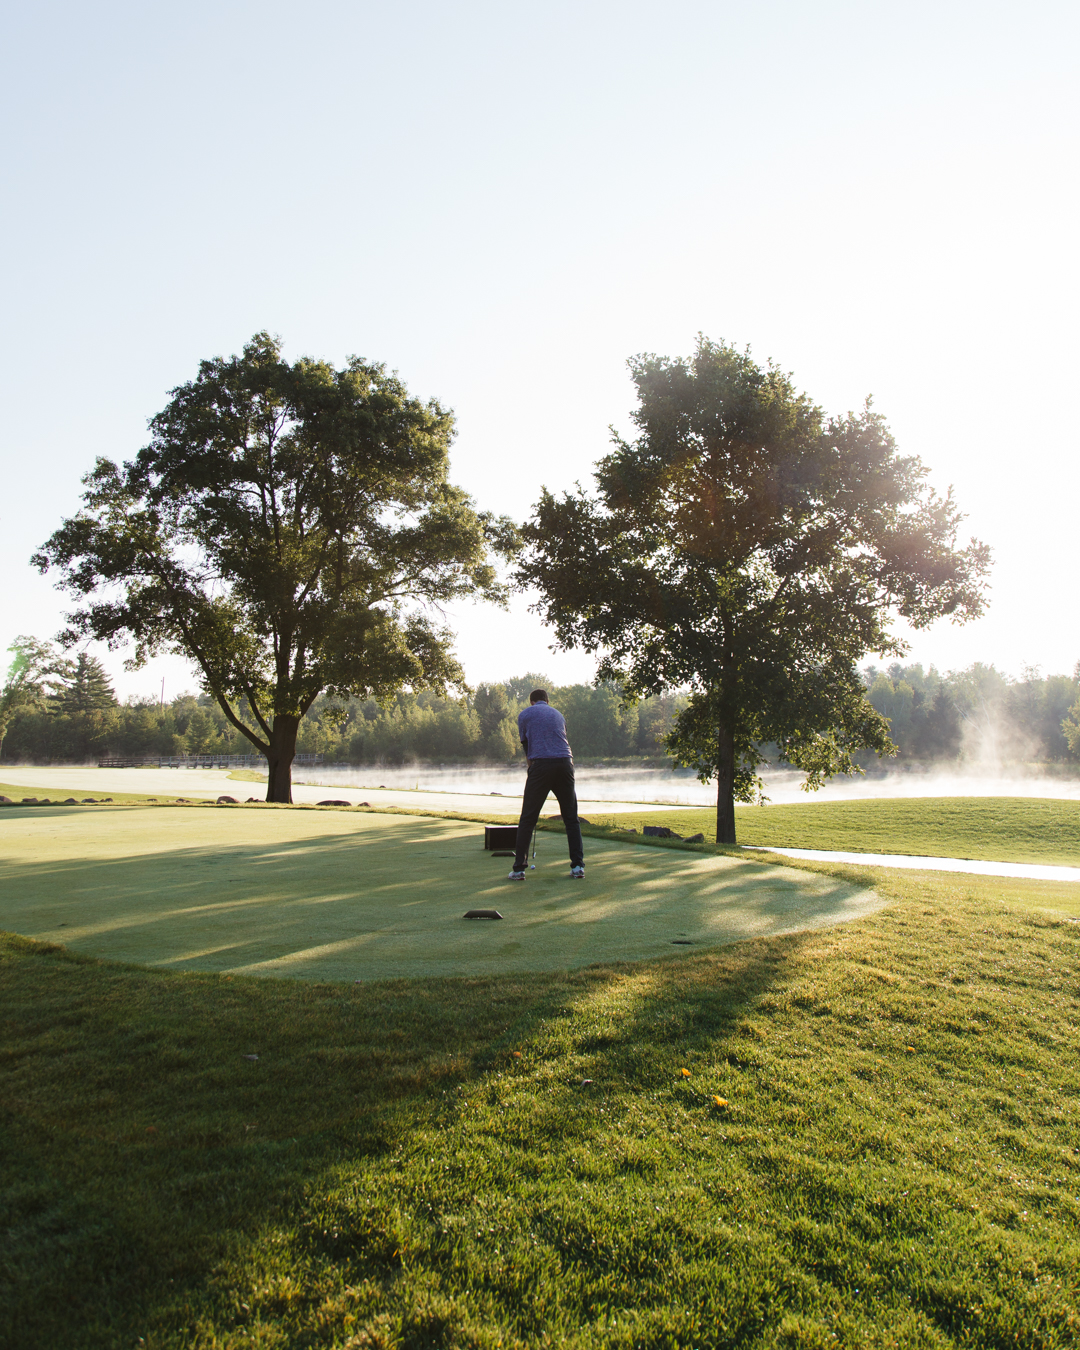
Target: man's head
<point>538,696</point>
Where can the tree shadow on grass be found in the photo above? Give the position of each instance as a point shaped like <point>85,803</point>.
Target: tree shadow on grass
<point>144,1148</point>
<point>382,900</point>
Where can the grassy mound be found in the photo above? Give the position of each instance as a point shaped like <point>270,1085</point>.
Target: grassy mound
<point>863,1135</point>
<point>328,894</point>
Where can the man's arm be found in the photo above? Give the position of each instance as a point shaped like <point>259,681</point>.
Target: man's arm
<point>524,743</point>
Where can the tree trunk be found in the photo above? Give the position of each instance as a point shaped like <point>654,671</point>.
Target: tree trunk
<point>280,758</point>
<point>725,786</point>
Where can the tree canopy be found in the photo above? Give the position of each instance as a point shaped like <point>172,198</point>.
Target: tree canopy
<point>751,549</point>
<point>35,673</point>
<point>289,527</point>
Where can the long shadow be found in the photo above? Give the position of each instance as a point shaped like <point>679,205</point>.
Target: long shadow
<point>144,892</point>
<point>140,1145</point>
<point>142,1150</point>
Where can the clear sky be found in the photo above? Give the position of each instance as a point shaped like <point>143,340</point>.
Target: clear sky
<point>504,202</point>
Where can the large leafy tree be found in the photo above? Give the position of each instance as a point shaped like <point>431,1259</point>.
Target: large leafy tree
<point>290,527</point>
<point>36,674</point>
<point>749,548</point>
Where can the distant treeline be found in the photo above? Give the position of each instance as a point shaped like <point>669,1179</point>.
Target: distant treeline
<point>978,715</point>
<point>975,716</point>
<point>87,724</point>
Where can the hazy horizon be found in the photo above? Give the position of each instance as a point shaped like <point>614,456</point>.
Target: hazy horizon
<point>782,786</point>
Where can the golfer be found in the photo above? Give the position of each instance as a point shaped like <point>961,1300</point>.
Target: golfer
<point>542,729</point>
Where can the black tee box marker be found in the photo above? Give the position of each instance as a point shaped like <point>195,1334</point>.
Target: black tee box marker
<point>483,914</point>
<point>500,836</point>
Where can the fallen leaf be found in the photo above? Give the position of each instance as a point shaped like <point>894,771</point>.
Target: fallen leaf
<point>151,1129</point>
<point>685,1073</point>
<point>585,1082</point>
<point>516,1054</point>
<point>720,1101</point>
<point>911,1049</point>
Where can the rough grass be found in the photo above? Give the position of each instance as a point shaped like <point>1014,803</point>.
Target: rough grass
<point>994,829</point>
<point>542,1160</point>
<point>18,792</point>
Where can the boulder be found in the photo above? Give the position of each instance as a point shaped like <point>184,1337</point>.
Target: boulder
<point>70,801</point>
<point>694,839</point>
<point>333,801</point>
<point>660,832</point>
<point>5,801</point>
<point>29,801</point>
<point>227,801</point>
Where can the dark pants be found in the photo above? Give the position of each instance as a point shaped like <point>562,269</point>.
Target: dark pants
<point>549,775</point>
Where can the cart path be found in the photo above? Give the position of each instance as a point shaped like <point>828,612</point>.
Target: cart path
<point>915,863</point>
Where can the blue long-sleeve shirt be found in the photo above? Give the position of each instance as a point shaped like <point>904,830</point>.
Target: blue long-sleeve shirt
<point>542,729</point>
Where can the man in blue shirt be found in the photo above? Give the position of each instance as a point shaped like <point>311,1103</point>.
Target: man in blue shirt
<point>551,769</point>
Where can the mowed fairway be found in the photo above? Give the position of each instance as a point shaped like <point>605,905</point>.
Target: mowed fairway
<point>335,895</point>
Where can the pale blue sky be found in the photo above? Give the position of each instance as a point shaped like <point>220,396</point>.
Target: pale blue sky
<point>504,203</point>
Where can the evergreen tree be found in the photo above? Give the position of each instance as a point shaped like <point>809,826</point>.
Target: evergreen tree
<point>88,688</point>
<point>940,734</point>
<point>491,706</point>
<point>498,724</point>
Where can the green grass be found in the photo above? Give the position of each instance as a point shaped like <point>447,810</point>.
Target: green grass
<point>58,796</point>
<point>522,1161</point>
<point>994,829</point>
<point>332,894</point>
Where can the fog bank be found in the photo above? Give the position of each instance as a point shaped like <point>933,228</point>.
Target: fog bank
<point>664,787</point>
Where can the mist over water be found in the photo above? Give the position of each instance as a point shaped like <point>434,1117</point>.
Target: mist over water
<point>662,786</point>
